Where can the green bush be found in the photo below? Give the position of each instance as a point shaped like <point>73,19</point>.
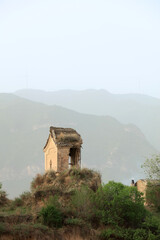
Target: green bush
<point>3,197</point>
<point>153,194</point>
<point>120,204</point>
<point>127,234</point>
<point>152,224</point>
<point>111,234</point>
<point>149,230</point>
<point>83,173</point>
<point>82,205</point>
<point>4,228</point>
<point>37,181</point>
<point>25,196</point>
<point>113,203</point>
<point>53,201</point>
<point>17,202</point>
<point>138,234</point>
<point>51,216</point>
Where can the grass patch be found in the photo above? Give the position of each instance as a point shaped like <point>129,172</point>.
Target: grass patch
<point>10,210</point>
<point>4,228</point>
<point>75,222</point>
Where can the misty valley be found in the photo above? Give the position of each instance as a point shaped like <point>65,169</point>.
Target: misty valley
<point>45,194</point>
<point>117,148</point>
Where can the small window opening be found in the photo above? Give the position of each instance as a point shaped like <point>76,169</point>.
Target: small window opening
<point>50,164</point>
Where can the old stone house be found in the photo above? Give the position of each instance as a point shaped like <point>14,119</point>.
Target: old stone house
<point>62,149</point>
<point>143,184</point>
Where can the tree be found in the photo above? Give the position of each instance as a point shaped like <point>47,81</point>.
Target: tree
<point>120,204</point>
<point>152,171</point>
<point>152,167</point>
<point>3,196</point>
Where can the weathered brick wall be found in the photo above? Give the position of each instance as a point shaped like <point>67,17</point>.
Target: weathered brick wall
<point>63,158</point>
<point>141,186</point>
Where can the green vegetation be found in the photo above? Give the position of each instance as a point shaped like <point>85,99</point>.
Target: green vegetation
<point>152,167</point>
<point>51,214</point>
<point>113,210</point>
<point>127,234</point>
<point>120,204</point>
<point>23,230</point>
<point>3,197</point>
<point>75,222</point>
<point>82,203</point>
<point>153,195</point>
<point>152,170</point>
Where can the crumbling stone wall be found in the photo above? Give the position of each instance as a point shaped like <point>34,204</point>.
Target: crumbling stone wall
<point>63,158</point>
<point>142,186</point>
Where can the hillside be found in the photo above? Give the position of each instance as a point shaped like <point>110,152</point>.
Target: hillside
<point>21,218</point>
<point>117,150</point>
<point>74,205</point>
<point>141,110</point>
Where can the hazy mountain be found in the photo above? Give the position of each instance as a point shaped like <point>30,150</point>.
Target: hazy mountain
<point>141,110</point>
<point>115,149</point>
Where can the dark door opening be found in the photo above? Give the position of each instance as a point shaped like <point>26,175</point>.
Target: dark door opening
<point>74,157</point>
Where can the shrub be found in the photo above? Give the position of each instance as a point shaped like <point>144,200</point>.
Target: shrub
<point>127,234</point>
<point>152,224</point>
<point>129,206</point>
<point>149,230</point>
<point>120,204</point>
<point>83,173</point>
<point>111,234</point>
<point>152,171</point>
<point>37,181</point>
<point>50,176</point>
<point>17,202</point>
<point>3,197</point>
<point>53,201</point>
<point>140,234</point>
<point>29,230</point>
<point>51,216</point>
<point>82,204</point>
<point>153,194</point>
<point>4,228</point>
<point>25,196</point>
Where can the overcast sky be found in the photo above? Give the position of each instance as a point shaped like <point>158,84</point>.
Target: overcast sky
<point>80,44</point>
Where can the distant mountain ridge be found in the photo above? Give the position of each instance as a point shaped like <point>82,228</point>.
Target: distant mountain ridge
<point>141,110</point>
<point>116,149</point>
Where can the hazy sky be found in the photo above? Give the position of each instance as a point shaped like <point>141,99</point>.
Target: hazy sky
<point>79,44</point>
